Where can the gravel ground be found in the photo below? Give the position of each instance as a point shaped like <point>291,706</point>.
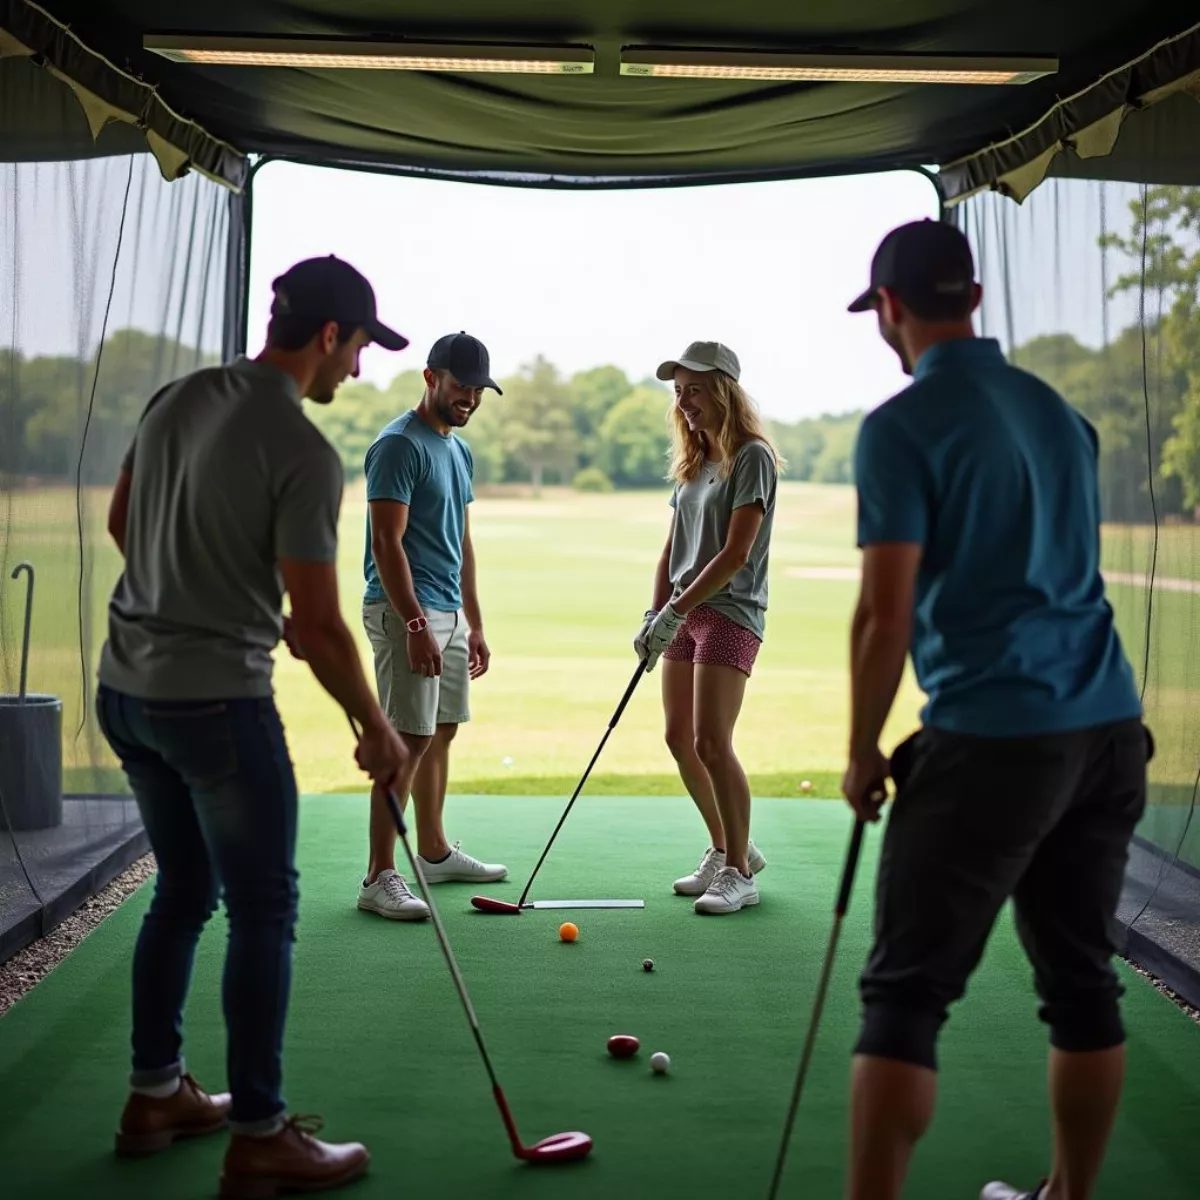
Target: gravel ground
<point>1174,997</point>
<point>30,966</point>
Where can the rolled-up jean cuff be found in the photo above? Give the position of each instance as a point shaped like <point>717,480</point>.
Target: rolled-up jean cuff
<point>264,1128</point>
<point>160,1075</point>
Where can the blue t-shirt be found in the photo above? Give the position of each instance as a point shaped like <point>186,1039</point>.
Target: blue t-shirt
<point>431,473</point>
<point>996,477</point>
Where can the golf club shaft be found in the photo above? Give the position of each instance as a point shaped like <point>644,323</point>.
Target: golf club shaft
<point>843,900</point>
<point>401,828</point>
<point>805,1057</point>
<point>510,1125</point>
<point>612,724</point>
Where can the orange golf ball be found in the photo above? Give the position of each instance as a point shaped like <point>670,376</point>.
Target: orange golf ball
<point>568,931</point>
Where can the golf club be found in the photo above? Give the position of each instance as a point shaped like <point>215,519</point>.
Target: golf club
<point>486,903</point>
<point>558,1147</point>
<point>878,794</point>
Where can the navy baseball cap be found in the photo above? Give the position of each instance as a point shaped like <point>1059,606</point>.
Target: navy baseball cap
<point>328,289</point>
<point>926,263</point>
<point>466,358</point>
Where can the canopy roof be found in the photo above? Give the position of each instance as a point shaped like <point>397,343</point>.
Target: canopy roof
<point>606,129</point>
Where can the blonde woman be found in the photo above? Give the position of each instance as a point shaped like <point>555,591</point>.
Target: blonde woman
<point>710,599</point>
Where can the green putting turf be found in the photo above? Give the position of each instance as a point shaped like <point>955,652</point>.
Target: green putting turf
<point>379,1045</point>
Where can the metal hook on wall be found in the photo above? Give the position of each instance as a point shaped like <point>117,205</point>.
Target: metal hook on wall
<point>28,568</point>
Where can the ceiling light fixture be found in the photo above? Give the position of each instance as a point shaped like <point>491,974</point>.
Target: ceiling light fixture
<point>491,58</point>
<point>679,63</point>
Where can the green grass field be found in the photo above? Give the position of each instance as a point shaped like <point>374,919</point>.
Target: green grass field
<point>564,579</point>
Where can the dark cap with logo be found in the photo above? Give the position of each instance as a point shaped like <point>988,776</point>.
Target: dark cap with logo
<point>928,264</point>
<point>328,289</point>
<point>466,358</point>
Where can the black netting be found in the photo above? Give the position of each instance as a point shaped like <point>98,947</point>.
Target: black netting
<point>112,281</point>
<point>1095,286</point>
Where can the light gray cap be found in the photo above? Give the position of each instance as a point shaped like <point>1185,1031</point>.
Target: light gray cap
<point>703,356</point>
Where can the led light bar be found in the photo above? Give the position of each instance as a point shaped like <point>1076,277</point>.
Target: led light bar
<point>206,50</point>
<point>657,63</point>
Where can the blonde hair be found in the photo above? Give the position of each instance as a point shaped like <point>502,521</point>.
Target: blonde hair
<point>740,423</point>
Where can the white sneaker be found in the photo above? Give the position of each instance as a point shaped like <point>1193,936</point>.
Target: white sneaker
<point>706,870</point>
<point>729,892</point>
<point>461,868</point>
<point>699,881</point>
<point>389,897</point>
<point>754,858</point>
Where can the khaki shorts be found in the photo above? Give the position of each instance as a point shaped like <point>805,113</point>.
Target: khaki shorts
<point>417,704</point>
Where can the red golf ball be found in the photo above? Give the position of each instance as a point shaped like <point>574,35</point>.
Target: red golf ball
<point>623,1045</point>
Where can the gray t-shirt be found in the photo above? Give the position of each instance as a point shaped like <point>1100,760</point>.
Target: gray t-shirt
<point>229,476</point>
<point>703,509</point>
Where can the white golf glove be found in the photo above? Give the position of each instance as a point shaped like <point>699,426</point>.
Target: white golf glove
<point>662,633</point>
<point>639,642</point>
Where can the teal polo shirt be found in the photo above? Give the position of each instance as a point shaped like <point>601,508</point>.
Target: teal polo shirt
<point>431,473</point>
<point>995,476</point>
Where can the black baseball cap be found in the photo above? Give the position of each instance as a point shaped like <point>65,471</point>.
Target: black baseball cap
<point>328,289</point>
<point>926,263</point>
<point>466,358</point>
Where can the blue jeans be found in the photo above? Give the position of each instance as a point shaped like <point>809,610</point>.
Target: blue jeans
<point>217,794</point>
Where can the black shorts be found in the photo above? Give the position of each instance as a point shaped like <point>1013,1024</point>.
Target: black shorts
<point>1046,821</point>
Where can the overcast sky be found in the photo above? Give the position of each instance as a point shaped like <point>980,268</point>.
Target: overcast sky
<point>627,278</point>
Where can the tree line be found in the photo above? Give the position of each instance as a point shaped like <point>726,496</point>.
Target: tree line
<point>1142,390</point>
<point>599,429</point>
<point>594,430</point>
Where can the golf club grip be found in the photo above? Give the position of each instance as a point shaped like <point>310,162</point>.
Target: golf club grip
<point>847,884</point>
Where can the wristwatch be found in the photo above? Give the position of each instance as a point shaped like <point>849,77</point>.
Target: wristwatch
<point>416,625</point>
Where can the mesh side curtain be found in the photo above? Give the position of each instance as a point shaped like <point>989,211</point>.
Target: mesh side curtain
<point>112,281</point>
<point>1095,286</point>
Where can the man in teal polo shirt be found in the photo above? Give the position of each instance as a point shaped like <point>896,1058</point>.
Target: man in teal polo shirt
<point>979,522</point>
<point>422,614</point>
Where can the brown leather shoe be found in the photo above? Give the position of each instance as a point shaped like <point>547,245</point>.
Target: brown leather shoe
<point>149,1125</point>
<point>291,1160</point>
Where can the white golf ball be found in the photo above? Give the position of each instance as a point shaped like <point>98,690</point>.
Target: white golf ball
<point>506,761</point>
<point>805,786</point>
<point>659,1062</point>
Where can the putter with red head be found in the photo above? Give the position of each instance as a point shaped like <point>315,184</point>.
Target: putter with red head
<point>559,1147</point>
<point>490,905</point>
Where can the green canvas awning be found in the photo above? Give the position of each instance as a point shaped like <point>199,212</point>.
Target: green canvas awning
<point>607,130</point>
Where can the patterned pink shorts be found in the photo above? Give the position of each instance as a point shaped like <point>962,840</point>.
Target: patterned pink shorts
<point>708,636</point>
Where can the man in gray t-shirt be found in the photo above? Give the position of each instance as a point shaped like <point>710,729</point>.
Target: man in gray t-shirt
<point>228,497</point>
<point>231,476</point>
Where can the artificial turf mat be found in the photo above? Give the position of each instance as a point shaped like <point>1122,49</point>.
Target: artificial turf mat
<point>378,1043</point>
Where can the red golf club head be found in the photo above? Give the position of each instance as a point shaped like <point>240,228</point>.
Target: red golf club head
<point>487,904</point>
<point>558,1148</point>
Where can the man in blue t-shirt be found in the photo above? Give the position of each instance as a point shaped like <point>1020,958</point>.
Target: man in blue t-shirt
<point>422,615</point>
<point>979,523</point>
